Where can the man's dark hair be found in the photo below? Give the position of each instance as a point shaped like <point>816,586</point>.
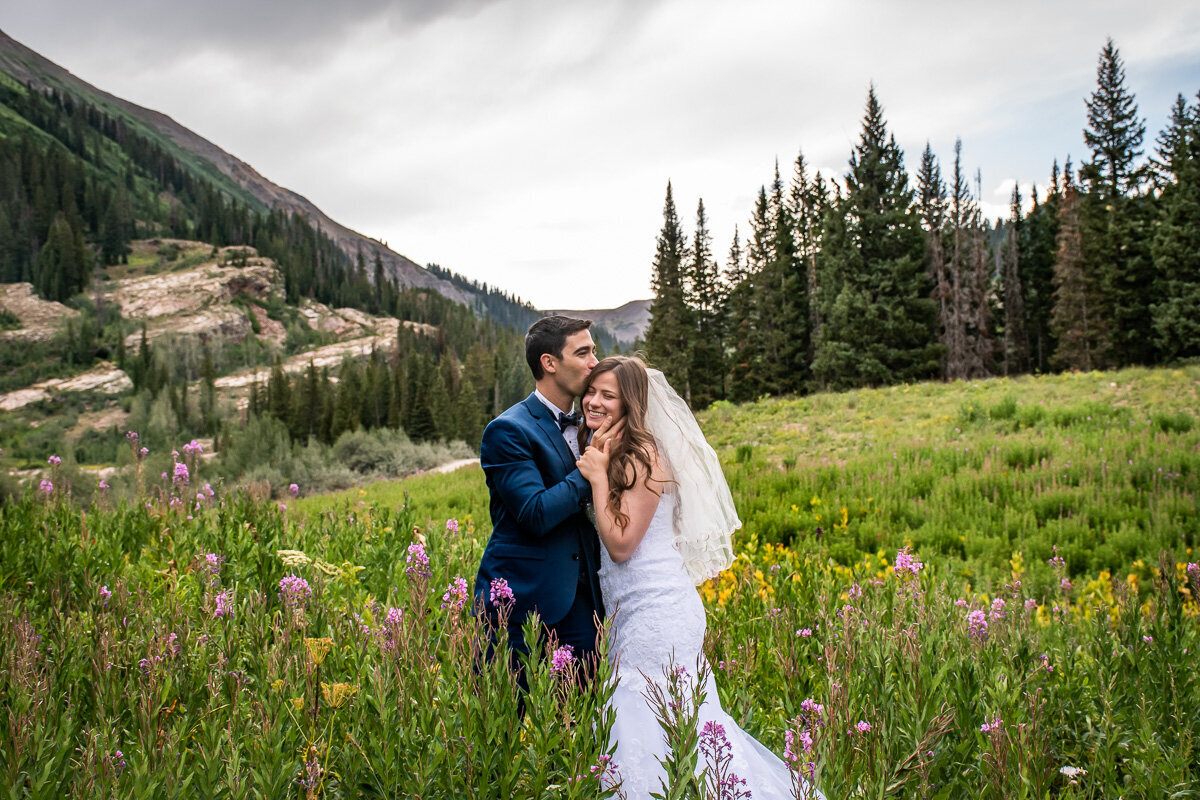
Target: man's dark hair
<point>548,336</point>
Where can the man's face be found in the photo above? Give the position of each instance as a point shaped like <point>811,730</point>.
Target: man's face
<point>578,359</point>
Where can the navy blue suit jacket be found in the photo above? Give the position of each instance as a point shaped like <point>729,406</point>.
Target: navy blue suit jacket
<point>541,537</point>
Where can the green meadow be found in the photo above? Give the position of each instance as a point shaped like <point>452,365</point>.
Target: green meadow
<point>942,590</point>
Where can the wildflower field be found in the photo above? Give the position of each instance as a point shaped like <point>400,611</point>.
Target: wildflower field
<point>978,589</point>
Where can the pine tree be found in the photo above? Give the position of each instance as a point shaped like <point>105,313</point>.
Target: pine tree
<point>931,200</point>
<point>1176,244</point>
<point>1035,265</point>
<point>1114,223</point>
<point>707,368</point>
<point>808,206</point>
<point>783,300</point>
<point>667,337</point>
<point>877,317</point>
<point>737,313</point>
<point>1081,332</point>
<point>1016,339</point>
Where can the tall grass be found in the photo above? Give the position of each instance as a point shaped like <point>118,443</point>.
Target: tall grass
<point>161,648</point>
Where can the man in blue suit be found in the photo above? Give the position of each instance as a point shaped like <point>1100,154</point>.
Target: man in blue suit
<point>542,542</point>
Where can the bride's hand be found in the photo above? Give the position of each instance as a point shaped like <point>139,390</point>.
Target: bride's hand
<point>593,464</point>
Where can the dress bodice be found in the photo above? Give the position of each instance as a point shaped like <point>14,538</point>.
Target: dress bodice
<point>657,616</point>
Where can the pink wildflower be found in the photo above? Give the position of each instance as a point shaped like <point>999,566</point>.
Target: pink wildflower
<point>562,659</point>
<point>452,525</point>
<point>501,594</point>
<point>456,595</point>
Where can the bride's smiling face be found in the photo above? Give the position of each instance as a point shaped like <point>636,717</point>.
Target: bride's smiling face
<point>602,399</point>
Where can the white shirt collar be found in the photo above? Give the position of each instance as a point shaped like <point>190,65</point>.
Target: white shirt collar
<point>554,410</point>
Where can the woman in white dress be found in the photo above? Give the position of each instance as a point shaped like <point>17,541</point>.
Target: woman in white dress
<point>665,517</point>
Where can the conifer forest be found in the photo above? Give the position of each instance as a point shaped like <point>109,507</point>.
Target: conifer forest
<point>883,276</point>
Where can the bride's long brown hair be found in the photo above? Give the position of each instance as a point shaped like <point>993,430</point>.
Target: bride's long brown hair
<point>635,447</point>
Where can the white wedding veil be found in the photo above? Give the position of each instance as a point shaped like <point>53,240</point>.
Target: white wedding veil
<point>705,517</point>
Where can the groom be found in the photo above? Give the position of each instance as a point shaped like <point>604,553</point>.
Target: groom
<point>542,543</point>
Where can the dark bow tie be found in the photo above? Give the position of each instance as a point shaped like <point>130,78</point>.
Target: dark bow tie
<point>568,420</point>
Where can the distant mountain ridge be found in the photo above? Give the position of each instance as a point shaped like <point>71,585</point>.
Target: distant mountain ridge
<point>626,323</point>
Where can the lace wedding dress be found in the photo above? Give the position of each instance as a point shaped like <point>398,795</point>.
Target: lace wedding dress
<point>658,620</point>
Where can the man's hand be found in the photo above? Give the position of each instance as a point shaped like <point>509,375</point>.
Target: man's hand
<point>606,432</point>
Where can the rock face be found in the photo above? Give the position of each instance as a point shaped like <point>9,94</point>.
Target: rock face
<point>210,301</point>
<point>104,378</point>
<point>200,301</point>
<point>39,318</point>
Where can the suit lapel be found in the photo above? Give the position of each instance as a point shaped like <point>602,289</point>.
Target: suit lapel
<point>549,426</point>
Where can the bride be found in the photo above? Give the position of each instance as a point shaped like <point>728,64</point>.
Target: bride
<point>665,516</point>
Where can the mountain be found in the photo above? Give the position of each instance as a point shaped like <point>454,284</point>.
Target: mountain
<point>229,173</point>
<point>627,323</point>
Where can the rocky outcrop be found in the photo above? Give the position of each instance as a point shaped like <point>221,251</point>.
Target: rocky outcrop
<point>39,318</point>
<point>104,378</point>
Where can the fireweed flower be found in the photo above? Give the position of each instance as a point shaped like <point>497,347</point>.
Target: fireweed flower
<point>293,490</point>
<point>500,593</point>
<point>863,726</point>
<point>995,725</point>
<point>855,591</point>
<point>105,594</point>
<point>804,632</point>
<point>907,564</point>
<point>389,631</point>
<point>977,624</point>
<point>224,606</point>
<point>212,564</point>
<point>54,461</point>
<point>418,562</point>
<point>997,611</point>
<point>181,476</point>
<point>456,595</point>
<point>452,525</point>
<point>102,485</point>
<point>46,487</point>
<point>562,659</point>
<point>193,447</point>
<point>144,452</point>
<point>1030,604</point>
<point>295,592</point>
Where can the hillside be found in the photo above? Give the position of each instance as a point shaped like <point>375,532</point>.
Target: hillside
<point>227,171</point>
<point>210,297</point>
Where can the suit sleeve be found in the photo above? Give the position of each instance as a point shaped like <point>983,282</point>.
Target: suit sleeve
<point>506,456</point>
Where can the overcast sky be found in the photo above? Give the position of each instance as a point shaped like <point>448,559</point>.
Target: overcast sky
<point>528,143</point>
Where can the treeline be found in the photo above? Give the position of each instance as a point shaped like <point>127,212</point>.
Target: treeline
<point>432,393</point>
<point>879,279</point>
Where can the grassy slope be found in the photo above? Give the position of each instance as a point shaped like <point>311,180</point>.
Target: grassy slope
<point>1105,465</point>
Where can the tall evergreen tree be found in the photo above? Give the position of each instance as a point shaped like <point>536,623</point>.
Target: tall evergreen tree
<point>738,322</point>
<point>1035,265</point>
<point>705,301</point>
<point>932,202</point>
<point>1080,331</point>
<point>1176,244</point>
<point>668,335</point>
<point>1114,222</point>
<point>1016,339</point>
<point>877,316</point>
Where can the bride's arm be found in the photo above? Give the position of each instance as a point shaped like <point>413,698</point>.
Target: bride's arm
<point>638,503</point>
